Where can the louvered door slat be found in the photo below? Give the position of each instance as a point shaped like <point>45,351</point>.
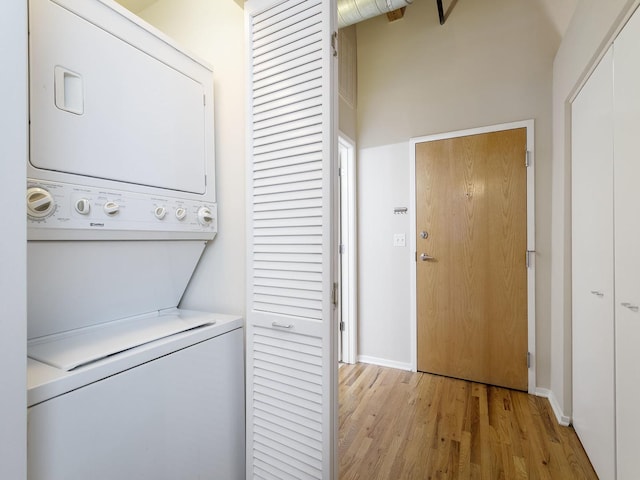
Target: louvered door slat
<point>299,103</point>
<point>288,310</point>
<point>276,275</point>
<point>314,185</point>
<point>285,356</point>
<point>276,133</point>
<point>287,144</point>
<point>291,365</point>
<point>295,387</point>
<point>293,220</point>
<point>287,162</point>
<point>289,205</point>
<point>303,52</point>
<point>299,21</point>
<point>312,128</point>
<point>284,439</point>
<point>285,436</point>
<point>289,257</point>
<point>267,472</point>
<point>281,48</point>
<point>284,343</point>
<point>302,461</point>
<point>287,213</point>
<point>279,17</point>
<point>299,83</point>
<point>287,75</point>
<point>284,45</point>
<point>288,119</point>
<point>290,152</point>
<point>285,283</point>
<point>284,469</point>
<point>269,429</point>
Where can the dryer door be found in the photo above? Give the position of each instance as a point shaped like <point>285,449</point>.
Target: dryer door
<point>112,100</point>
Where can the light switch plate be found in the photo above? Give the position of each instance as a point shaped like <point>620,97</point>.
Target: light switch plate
<point>399,240</point>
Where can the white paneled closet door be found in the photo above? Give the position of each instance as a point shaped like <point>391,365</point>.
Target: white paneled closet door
<point>291,334</point>
<point>627,246</point>
<point>592,264</point>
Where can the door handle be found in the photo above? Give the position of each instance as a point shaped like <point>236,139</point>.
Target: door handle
<point>633,308</point>
<point>281,325</point>
<point>424,257</point>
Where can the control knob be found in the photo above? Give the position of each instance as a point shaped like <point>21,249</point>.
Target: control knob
<point>181,213</point>
<point>83,207</point>
<point>40,202</point>
<point>111,208</point>
<point>160,212</point>
<point>205,217</point>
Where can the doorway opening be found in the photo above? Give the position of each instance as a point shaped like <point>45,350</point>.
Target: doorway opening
<point>348,304</point>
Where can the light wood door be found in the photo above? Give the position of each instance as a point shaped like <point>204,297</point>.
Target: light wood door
<point>471,200</point>
<point>593,414</point>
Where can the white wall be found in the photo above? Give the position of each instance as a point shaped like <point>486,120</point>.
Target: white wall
<point>13,260</point>
<point>490,63</point>
<point>214,30</point>
<point>591,29</point>
<point>383,270</point>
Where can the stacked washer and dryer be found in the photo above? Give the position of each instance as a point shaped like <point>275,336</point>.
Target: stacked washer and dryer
<point>121,204</point>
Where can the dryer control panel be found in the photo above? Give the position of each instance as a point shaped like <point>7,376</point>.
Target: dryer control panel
<point>59,211</point>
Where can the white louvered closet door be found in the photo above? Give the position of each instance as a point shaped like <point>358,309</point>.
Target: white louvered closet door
<point>291,335</point>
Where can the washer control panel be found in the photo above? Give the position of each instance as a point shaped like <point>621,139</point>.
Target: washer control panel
<point>52,206</point>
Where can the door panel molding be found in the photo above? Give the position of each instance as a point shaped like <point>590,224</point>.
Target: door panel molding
<point>531,312</point>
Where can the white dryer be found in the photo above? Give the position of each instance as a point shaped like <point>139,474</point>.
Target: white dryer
<point>121,204</point>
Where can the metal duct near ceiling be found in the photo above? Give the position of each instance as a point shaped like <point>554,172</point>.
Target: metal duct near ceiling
<point>354,11</point>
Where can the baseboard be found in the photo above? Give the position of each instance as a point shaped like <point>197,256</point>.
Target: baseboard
<point>563,419</point>
<point>383,362</point>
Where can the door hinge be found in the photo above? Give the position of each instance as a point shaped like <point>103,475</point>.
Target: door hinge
<point>339,171</point>
<point>527,159</point>
<point>204,99</point>
<point>334,43</point>
<point>528,359</point>
<point>334,294</point>
<point>342,326</point>
<point>341,249</point>
<point>530,254</point>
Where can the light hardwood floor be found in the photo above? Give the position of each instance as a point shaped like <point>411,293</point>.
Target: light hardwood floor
<point>397,425</point>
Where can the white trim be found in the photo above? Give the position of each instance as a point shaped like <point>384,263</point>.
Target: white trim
<point>349,278</point>
<point>531,315</point>
<point>383,362</point>
<point>563,419</point>
<point>13,243</point>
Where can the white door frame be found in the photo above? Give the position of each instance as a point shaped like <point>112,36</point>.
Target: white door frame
<point>531,276</point>
<point>348,240</point>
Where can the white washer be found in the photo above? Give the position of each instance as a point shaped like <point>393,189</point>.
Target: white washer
<point>121,204</point>
<point>172,408</point>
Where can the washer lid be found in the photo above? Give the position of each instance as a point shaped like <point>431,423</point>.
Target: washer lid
<point>81,347</point>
